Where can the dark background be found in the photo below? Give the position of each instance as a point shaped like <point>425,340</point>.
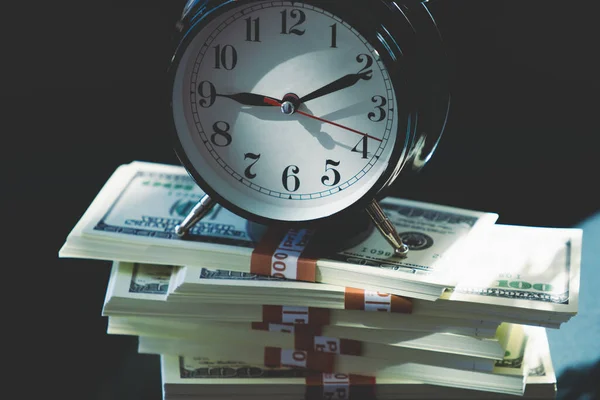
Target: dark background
<point>81,93</point>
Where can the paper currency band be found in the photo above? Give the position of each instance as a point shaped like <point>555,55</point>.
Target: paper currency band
<point>295,315</point>
<point>359,299</point>
<point>285,254</point>
<point>276,357</point>
<point>327,345</point>
<point>340,386</point>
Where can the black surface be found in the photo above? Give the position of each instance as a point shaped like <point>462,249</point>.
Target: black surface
<point>81,95</point>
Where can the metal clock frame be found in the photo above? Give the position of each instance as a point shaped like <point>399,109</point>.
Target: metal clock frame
<point>406,36</point>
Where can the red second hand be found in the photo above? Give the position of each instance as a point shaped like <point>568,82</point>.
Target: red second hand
<point>276,103</point>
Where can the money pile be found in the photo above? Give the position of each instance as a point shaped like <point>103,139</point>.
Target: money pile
<point>242,310</point>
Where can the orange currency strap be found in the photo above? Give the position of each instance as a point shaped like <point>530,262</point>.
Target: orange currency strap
<point>303,341</point>
<point>367,300</point>
<point>285,254</point>
<point>315,330</point>
<point>332,386</point>
<point>295,315</point>
<point>276,357</point>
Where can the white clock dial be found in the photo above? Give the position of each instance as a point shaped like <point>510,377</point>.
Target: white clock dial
<point>302,160</point>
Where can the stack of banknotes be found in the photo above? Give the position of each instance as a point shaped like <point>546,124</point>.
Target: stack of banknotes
<point>241,310</point>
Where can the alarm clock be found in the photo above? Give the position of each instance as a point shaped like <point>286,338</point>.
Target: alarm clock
<point>305,112</point>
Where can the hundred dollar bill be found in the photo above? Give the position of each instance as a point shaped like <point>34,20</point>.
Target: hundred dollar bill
<point>533,271</point>
<point>516,274</point>
<point>136,291</point>
<point>134,216</point>
<point>189,376</point>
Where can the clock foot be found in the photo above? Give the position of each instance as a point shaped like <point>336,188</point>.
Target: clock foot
<point>387,229</point>
<point>200,210</point>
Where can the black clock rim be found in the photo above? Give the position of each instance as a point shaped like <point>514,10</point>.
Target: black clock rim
<point>422,21</point>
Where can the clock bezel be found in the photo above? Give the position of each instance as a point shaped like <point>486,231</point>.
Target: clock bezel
<point>380,25</point>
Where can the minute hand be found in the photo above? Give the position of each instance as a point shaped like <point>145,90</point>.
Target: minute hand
<point>342,83</point>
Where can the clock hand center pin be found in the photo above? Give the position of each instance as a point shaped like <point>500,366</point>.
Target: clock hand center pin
<point>290,104</point>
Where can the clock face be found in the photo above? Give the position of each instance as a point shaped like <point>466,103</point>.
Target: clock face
<point>255,128</point>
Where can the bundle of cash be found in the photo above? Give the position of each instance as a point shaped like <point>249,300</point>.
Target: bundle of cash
<point>462,316</point>
<point>518,274</point>
<point>186,377</point>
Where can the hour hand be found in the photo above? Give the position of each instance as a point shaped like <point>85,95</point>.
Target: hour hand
<point>249,99</point>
